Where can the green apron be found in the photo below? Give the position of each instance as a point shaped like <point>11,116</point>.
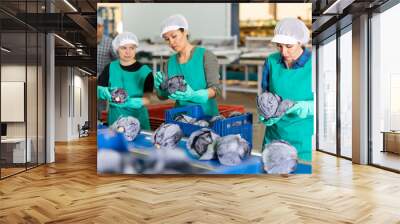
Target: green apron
<point>193,71</point>
<point>296,85</point>
<point>133,83</point>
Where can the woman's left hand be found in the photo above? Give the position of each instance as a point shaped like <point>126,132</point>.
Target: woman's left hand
<point>302,109</point>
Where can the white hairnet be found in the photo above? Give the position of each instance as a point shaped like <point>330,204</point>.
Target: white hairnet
<point>124,38</point>
<point>174,22</point>
<point>291,31</point>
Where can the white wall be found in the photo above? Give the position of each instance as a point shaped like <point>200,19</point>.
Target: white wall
<point>14,73</point>
<point>61,103</point>
<point>79,117</point>
<point>33,127</point>
<point>71,87</point>
<point>144,19</point>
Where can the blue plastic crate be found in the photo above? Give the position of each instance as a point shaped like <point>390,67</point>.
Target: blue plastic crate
<point>193,111</point>
<point>242,125</point>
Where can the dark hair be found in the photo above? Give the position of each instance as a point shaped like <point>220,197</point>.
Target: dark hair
<point>183,30</point>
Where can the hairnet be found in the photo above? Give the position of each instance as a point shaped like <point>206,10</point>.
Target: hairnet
<point>124,38</point>
<point>174,22</point>
<point>291,31</point>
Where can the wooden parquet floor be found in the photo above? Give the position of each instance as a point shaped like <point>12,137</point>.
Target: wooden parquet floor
<point>70,191</point>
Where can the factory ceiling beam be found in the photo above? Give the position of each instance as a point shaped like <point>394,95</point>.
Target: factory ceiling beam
<point>44,22</point>
<point>327,19</point>
<point>85,25</point>
<point>82,61</point>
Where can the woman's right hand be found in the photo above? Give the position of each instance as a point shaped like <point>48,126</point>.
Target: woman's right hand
<point>103,93</point>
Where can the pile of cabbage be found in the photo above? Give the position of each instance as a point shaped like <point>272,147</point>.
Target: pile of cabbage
<point>230,150</point>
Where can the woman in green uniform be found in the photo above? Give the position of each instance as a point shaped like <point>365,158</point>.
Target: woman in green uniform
<point>198,66</point>
<point>287,73</point>
<point>126,73</point>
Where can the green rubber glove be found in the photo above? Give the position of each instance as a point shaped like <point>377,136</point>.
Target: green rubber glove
<point>130,103</point>
<point>158,79</point>
<point>302,109</point>
<point>103,93</point>
<point>199,96</point>
<point>270,121</point>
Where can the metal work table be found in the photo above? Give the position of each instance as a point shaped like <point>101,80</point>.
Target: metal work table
<point>252,58</point>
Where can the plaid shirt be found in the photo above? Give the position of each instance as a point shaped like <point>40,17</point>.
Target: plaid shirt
<point>104,54</point>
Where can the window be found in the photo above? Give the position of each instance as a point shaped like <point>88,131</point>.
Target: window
<point>385,87</point>
<point>346,94</point>
<point>327,97</point>
<point>22,76</point>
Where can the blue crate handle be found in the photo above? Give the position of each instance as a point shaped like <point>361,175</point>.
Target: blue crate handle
<point>194,111</point>
<point>242,125</point>
<point>246,118</point>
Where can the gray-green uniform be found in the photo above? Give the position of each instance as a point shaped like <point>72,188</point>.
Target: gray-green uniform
<point>294,84</point>
<point>133,82</point>
<point>194,72</point>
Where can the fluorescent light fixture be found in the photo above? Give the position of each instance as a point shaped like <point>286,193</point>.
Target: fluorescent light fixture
<point>5,50</point>
<point>70,5</point>
<point>65,41</point>
<point>84,71</point>
<point>338,6</point>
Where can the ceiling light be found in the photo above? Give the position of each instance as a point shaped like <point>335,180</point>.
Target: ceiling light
<point>84,71</point>
<point>65,41</point>
<point>70,5</point>
<point>337,7</point>
<point>5,50</point>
